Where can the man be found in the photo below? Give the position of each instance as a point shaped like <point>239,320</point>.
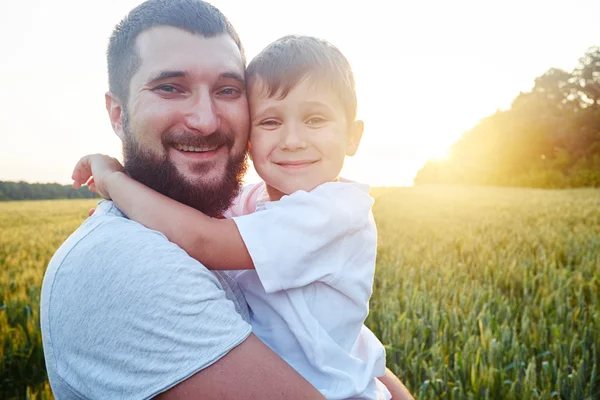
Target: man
<point>125,313</point>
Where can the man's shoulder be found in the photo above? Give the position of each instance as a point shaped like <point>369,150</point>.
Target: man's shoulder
<point>109,221</point>
<point>105,236</point>
<point>112,253</point>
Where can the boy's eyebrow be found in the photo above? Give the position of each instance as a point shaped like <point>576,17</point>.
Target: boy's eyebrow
<point>321,104</point>
<point>262,112</point>
<point>316,103</point>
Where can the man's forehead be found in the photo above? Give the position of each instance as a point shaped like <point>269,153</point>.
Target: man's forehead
<point>167,48</point>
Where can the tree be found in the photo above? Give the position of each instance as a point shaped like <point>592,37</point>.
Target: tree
<point>11,191</point>
<point>550,136</point>
<point>586,78</point>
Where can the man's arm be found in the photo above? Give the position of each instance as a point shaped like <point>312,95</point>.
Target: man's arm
<point>249,371</point>
<point>129,315</point>
<point>395,386</point>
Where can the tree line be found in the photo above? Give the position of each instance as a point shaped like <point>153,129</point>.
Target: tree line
<point>548,138</point>
<point>11,191</point>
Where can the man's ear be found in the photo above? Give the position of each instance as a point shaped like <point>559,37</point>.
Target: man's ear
<point>249,150</point>
<point>115,113</point>
<point>355,134</point>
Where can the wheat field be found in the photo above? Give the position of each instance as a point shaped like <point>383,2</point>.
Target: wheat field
<point>480,293</point>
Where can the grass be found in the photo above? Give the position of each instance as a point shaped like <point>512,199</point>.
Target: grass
<point>490,293</point>
<point>480,293</point>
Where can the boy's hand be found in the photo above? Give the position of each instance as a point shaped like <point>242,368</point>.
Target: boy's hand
<point>94,169</point>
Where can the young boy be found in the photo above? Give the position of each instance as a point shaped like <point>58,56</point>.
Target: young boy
<point>304,240</point>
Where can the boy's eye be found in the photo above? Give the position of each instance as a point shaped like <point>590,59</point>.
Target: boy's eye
<point>270,123</point>
<point>316,120</point>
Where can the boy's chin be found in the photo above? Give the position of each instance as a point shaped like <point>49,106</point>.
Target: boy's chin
<point>303,186</point>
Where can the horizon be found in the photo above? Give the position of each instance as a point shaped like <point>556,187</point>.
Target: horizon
<point>418,70</point>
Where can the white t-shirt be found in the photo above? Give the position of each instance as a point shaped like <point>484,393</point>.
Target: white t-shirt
<point>314,257</point>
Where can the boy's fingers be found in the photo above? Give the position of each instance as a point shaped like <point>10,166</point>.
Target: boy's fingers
<point>83,161</point>
<point>82,172</point>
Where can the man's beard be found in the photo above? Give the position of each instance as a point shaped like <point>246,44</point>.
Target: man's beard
<point>160,174</point>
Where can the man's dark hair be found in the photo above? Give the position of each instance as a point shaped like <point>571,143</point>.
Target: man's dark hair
<point>194,16</point>
<point>286,62</point>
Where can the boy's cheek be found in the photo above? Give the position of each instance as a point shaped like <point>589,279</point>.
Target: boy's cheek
<point>259,144</point>
<point>258,152</point>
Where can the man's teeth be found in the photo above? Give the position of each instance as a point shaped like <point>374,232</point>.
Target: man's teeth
<point>194,149</point>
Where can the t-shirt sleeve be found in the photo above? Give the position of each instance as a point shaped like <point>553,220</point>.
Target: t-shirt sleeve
<point>130,315</point>
<point>307,236</point>
<point>245,202</point>
<point>369,349</point>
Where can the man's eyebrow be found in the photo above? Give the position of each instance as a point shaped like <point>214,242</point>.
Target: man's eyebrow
<point>182,74</point>
<point>166,75</point>
<point>234,76</point>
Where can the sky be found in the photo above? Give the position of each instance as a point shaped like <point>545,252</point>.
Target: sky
<point>426,71</point>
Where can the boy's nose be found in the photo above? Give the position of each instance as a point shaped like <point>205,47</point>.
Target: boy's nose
<point>292,139</point>
<point>202,115</point>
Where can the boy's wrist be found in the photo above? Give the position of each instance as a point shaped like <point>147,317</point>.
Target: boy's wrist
<point>112,180</point>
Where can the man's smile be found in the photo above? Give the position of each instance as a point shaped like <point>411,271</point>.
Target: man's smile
<point>202,149</point>
<point>199,153</point>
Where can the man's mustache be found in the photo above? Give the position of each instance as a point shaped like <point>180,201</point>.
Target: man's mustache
<point>216,139</point>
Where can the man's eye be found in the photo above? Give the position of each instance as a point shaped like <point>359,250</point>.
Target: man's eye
<point>167,89</point>
<point>230,92</point>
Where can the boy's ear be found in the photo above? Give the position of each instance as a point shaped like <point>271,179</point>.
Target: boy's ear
<point>355,134</point>
<point>115,113</point>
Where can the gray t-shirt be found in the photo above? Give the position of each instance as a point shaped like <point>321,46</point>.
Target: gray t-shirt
<point>126,314</point>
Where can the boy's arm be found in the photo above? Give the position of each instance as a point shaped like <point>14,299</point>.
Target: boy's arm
<point>395,386</point>
<point>216,243</point>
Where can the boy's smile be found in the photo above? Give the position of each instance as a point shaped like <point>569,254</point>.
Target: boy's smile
<point>300,141</point>
<point>299,164</point>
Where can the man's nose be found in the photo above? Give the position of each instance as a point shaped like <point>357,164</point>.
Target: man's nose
<point>292,138</point>
<point>202,115</point>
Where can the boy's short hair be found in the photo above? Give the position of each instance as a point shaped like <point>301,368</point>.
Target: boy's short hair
<point>289,60</point>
